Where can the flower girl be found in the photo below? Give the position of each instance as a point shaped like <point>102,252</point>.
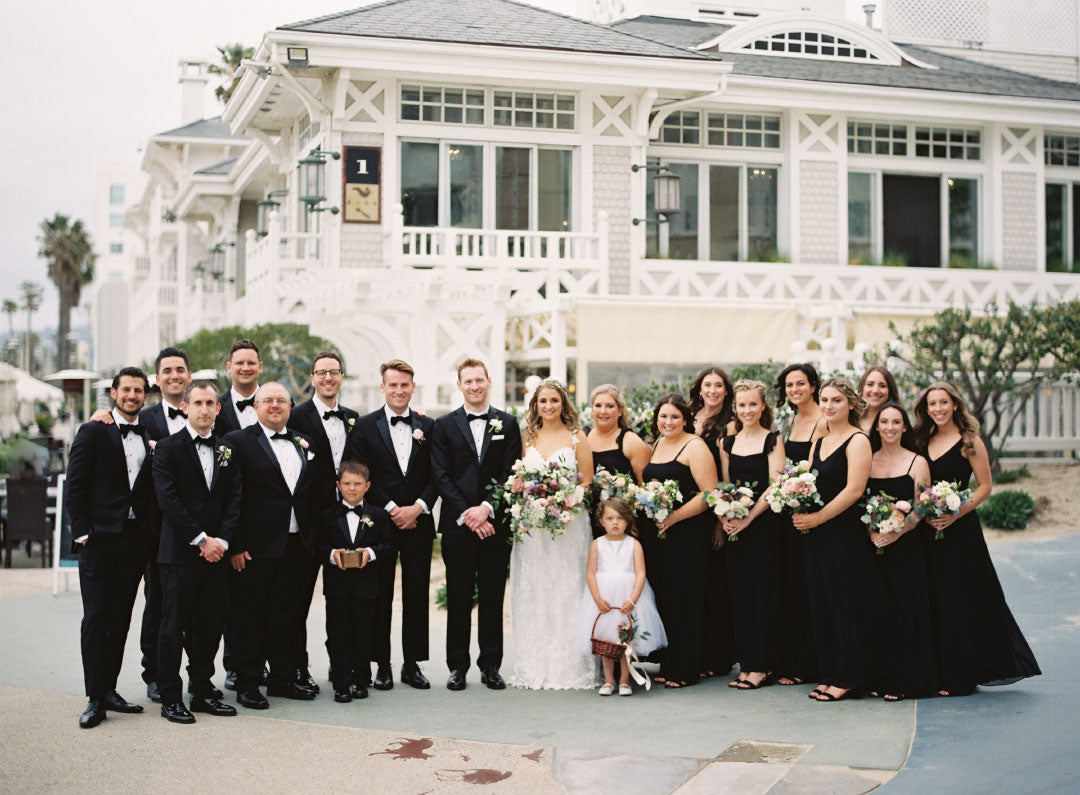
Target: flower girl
<point>617,589</point>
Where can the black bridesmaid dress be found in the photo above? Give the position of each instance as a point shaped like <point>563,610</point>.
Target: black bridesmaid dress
<point>853,623</point>
<point>719,640</point>
<point>797,657</point>
<point>681,559</point>
<point>978,640</point>
<point>753,567</point>
<point>903,567</point>
<point>616,462</point>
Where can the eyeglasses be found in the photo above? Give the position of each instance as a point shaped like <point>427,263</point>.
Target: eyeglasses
<point>269,401</point>
<point>324,373</point>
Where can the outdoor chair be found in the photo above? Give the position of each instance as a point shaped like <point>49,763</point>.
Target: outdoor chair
<point>27,519</point>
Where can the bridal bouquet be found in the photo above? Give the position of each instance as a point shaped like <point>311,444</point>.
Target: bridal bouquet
<point>614,484</point>
<point>542,495</point>
<point>795,489</point>
<point>883,514</point>
<point>730,501</point>
<point>656,499</point>
<point>940,499</point>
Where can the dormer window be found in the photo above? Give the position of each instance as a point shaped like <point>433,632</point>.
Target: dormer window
<point>812,43</point>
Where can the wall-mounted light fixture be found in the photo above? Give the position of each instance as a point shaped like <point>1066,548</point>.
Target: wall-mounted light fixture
<point>665,194</point>
<point>312,180</point>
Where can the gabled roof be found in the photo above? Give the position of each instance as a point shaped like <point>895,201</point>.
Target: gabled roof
<point>222,168</point>
<point>491,22</point>
<point>203,128</point>
<point>952,73</point>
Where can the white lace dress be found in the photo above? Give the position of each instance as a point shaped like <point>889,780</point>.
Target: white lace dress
<point>546,578</point>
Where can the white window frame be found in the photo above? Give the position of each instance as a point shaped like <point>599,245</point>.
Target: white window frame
<point>911,158</point>
<point>1072,217</point>
<point>489,109</point>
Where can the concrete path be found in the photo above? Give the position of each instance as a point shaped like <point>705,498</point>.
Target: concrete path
<point>704,739</point>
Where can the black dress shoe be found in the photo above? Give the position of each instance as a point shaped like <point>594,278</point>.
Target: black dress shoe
<point>291,690</point>
<point>177,713</point>
<point>211,706</point>
<point>342,696</point>
<point>114,702</point>
<point>358,691</point>
<point>456,680</point>
<point>384,678</point>
<point>153,693</point>
<point>252,699</point>
<point>230,680</point>
<point>305,679</point>
<point>212,692</point>
<point>94,714</point>
<point>491,677</point>
<point>412,676</point>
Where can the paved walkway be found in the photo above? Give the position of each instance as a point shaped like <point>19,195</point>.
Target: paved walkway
<point>705,739</point>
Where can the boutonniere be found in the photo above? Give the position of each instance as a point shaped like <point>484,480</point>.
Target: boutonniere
<point>495,425</point>
<point>367,521</point>
<point>151,444</point>
<point>351,422</point>
<point>302,442</point>
<point>224,455</point>
<point>418,435</point>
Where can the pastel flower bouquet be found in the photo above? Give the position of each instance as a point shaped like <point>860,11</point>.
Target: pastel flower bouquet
<point>614,484</point>
<point>730,501</point>
<point>543,496</point>
<point>656,499</point>
<point>794,490</point>
<point>883,514</point>
<point>941,499</point>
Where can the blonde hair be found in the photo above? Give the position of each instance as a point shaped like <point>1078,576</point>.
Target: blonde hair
<point>966,423</point>
<point>401,366</point>
<point>616,395</point>
<point>748,385</point>
<point>568,415</point>
<point>855,401</point>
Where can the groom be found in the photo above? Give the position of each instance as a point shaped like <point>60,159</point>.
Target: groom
<point>471,447</point>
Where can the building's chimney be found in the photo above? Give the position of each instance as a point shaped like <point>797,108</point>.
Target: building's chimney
<point>869,9</point>
<point>193,79</point>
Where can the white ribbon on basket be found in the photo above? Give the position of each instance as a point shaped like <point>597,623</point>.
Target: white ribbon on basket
<point>632,658</point>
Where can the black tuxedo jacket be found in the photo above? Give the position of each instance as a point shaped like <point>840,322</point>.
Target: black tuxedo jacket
<point>371,443</point>
<point>187,506</point>
<point>461,479</point>
<point>334,534</point>
<point>98,494</point>
<point>153,417</point>
<point>227,421</point>
<point>306,419</point>
<point>265,501</point>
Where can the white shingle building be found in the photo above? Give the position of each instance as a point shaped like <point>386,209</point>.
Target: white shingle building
<point>484,197</point>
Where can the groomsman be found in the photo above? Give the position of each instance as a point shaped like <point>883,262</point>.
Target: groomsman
<point>328,423</point>
<point>395,443</point>
<point>471,447</point>
<point>200,508</point>
<point>110,493</point>
<point>270,549</point>
<point>244,367</point>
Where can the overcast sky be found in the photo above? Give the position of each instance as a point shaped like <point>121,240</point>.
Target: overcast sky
<point>87,83</point>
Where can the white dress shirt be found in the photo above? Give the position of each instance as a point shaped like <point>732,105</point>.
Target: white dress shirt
<point>206,461</point>
<point>478,428</point>
<point>288,456</point>
<point>247,416</point>
<point>177,422</point>
<point>401,435</point>
<point>134,455</point>
<point>335,428</point>
<point>354,525</point>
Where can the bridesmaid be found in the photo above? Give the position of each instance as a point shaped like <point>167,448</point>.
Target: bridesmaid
<point>846,592</point>
<point>978,640</point>
<point>615,447</point>
<point>680,556</point>
<point>711,399</point>
<point>899,471</point>
<point>877,387</point>
<point>798,386</point>
<point>752,457</point>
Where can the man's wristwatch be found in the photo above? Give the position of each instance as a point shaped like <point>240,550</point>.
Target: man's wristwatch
<point>202,542</point>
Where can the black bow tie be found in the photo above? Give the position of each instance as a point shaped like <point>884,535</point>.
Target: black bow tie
<point>126,428</point>
<point>174,413</point>
<point>471,417</point>
<point>282,436</point>
<point>208,441</point>
<point>357,509</point>
<point>394,420</point>
<point>243,404</point>
<point>334,413</point>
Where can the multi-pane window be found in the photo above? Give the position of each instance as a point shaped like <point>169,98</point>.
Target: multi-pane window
<point>116,248</point>
<point>682,127</point>
<point>116,194</point>
<point>949,143</point>
<point>821,45</point>
<point>1061,150</point>
<point>534,109</point>
<point>116,219</point>
<point>728,130</point>
<point>1063,226</point>
<point>445,104</point>
<point>877,138</point>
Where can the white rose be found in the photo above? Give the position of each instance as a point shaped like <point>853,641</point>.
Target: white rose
<point>952,502</point>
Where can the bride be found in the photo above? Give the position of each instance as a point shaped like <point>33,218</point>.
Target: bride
<point>547,574</point>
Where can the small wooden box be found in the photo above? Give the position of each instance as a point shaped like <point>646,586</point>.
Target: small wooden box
<point>351,558</point>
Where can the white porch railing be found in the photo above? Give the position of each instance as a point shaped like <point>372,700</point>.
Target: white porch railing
<point>271,261</point>
<point>1048,422</point>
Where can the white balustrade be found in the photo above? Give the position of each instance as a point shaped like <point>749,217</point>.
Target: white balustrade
<point>1048,421</point>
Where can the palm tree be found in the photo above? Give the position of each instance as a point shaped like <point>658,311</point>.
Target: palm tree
<point>32,293</point>
<point>66,246</point>
<point>9,308</point>
<point>231,56</point>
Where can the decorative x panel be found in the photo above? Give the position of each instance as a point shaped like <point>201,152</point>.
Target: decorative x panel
<point>1019,145</point>
<point>817,132</point>
<point>612,110</point>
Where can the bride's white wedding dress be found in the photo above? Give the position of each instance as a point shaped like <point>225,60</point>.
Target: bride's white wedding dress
<point>547,576</point>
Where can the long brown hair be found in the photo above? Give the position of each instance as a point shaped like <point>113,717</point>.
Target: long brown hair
<point>622,508</point>
<point>925,427</point>
<point>890,382</point>
<point>713,427</point>
<point>747,385</point>
<point>856,404</point>
<point>568,414</point>
<point>679,402</point>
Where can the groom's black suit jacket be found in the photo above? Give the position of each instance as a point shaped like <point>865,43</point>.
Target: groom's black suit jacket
<point>306,419</point>
<point>461,478</point>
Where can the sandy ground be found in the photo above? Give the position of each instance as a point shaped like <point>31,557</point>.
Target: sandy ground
<point>1056,489</point>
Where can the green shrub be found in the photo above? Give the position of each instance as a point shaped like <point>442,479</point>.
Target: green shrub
<point>440,596</point>
<point>1012,475</point>
<point>1007,510</point>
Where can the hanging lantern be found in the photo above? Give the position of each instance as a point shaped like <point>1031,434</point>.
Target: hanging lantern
<point>666,193</point>
<point>312,176</point>
<point>262,219</point>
